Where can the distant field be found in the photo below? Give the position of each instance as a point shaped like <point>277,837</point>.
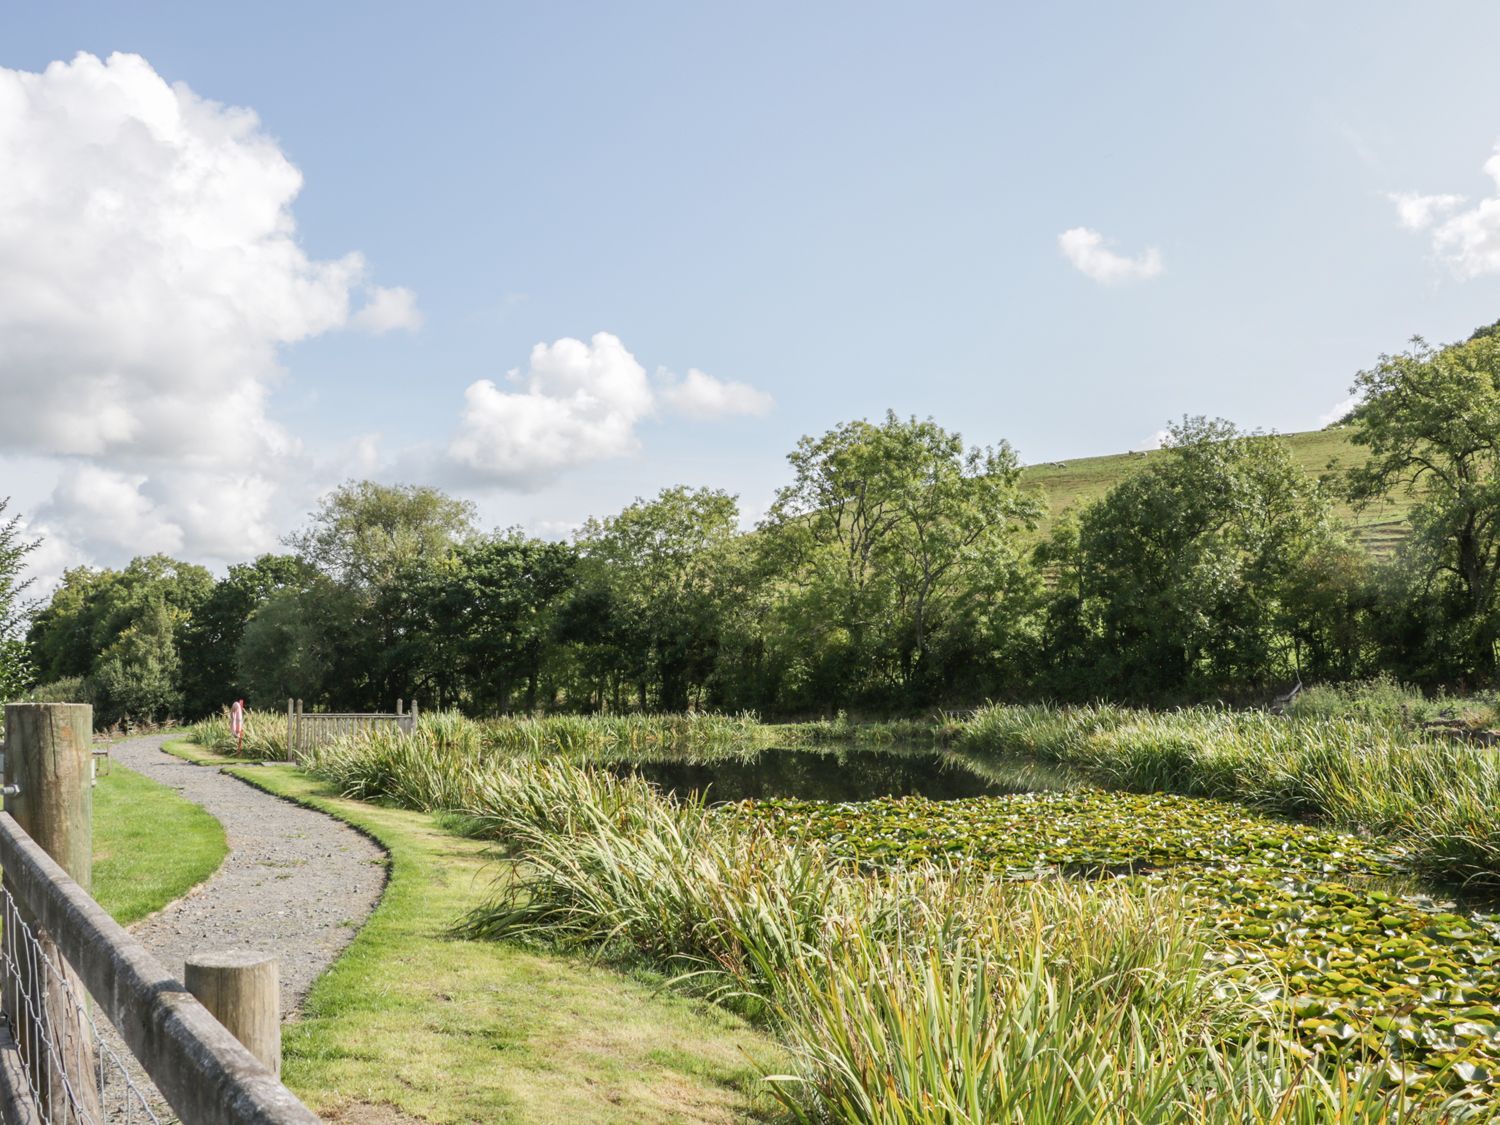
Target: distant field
<point>1085,479</point>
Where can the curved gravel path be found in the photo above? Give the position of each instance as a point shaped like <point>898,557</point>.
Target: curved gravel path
<point>296,883</point>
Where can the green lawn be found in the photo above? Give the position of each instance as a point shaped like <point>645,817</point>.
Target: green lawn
<point>457,1031</point>
<point>1085,479</point>
<point>150,845</point>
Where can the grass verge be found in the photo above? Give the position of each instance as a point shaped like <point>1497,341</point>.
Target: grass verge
<point>150,845</point>
<point>456,1030</point>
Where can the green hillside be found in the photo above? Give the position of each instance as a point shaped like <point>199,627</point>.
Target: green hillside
<point>1082,480</point>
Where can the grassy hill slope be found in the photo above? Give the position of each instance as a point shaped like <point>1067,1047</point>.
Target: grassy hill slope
<point>1083,480</point>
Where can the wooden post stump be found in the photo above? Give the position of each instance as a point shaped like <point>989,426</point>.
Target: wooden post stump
<point>242,989</point>
<point>49,756</point>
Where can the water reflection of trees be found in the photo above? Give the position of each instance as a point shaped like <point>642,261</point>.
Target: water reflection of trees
<point>845,775</point>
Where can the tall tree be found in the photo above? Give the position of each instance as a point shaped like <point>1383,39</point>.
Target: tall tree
<point>660,564</point>
<point>365,534</point>
<point>129,619</point>
<point>885,529</point>
<point>1430,418</point>
<point>374,541</point>
<point>1186,566</point>
<point>210,640</point>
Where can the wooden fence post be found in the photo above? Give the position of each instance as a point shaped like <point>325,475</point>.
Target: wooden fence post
<point>242,990</point>
<point>291,752</point>
<point>49,758</point>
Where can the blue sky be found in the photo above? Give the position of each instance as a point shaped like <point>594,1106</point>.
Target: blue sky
<point>828,209</point>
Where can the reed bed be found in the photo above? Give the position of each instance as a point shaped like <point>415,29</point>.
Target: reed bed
<point>264,741</point>
<point>927,993</point>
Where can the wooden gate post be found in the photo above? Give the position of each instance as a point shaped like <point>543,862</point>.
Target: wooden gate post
<point>49,758</point>
<point>243,991</point>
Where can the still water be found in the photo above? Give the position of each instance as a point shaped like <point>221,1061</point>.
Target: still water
<point>849,775</point>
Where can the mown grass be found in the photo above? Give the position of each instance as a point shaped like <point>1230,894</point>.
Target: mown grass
<point>930,992</point>
<point>456,1030</point>
<point>150,845</point>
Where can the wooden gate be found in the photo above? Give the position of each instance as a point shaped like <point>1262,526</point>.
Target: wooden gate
<point>307,730</point>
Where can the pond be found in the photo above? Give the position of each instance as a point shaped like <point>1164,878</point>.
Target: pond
<point>848,775</point>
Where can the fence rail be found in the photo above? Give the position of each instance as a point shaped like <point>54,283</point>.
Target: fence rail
<point>307,730</point>
<point>202,1071</point>
<point>62,957</point>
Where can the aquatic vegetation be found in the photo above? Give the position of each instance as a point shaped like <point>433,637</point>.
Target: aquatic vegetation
<point>1438,799</point>
<point>933,960</point>
<point>1356,965</point>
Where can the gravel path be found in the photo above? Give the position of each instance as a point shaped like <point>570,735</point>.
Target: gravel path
<point>296,883</point>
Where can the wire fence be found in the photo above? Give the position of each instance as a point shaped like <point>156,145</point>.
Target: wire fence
<point>72,1074</point>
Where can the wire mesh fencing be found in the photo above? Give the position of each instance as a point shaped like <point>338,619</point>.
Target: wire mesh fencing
<point>72,1075</point>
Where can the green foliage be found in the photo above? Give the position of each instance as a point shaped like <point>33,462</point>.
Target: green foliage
<point>16,671</point>
<point>1439,800</point>
<point>72,690</point>
<point>409,1023</point>
<point>1186,571</point>
<point>367,535</point>
<point>211,639</point>
<point>662,573</point>
<point>264,736</point>
<point>303,643</point>
<point>890,539</point>
<point>1431,420</point>
<point>120,630</point>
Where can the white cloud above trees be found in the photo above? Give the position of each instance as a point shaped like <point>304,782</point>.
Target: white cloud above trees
<point>1465,238</point>
<point>149,275</point>
<point>577,403</point>
<point>1089,252</point>
<point>702,396</point>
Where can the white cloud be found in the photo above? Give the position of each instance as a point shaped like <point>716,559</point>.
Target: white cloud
<point>1088,252</point>
<point>149,275</point>
<point>1468,240</point>
<point>389,309</point>
<point>703,396</point>
<point>581,402</point>
<point>578,403</point>
<point>1418,212</point>
<point>1337,411</point>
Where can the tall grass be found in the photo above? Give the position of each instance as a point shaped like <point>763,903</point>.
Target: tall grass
<point>924,994</point>
<point>264,741</point>
<point>634,736</point>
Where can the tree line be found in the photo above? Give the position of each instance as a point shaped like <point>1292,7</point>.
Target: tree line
<point>897,570</point>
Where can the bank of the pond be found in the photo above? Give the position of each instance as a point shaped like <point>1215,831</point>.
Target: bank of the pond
<point>938,990</point>
<point>452,1030</point>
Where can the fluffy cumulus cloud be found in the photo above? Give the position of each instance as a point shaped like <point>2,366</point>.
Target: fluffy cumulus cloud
<point>1466,237</point>
<point>1090,254</point>
<point>577,402</point>
<point>149,275</point>
<point>702,396</point>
